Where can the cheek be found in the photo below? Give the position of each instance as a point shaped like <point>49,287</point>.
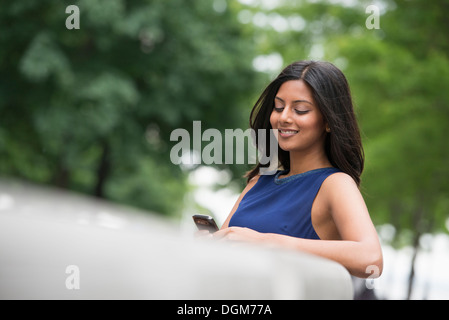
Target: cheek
<point>319,128</point>
<point>314,122</point>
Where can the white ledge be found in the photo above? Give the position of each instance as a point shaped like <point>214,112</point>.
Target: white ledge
<point>54,245</point>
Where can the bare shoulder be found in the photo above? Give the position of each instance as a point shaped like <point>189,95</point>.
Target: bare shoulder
<point>339,179</point>
<point>253,180</point>
<point>340,184</point>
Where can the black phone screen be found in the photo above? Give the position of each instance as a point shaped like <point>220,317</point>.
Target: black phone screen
<point>204,222</point>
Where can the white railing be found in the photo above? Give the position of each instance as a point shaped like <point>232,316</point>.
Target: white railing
<point>55,245</point>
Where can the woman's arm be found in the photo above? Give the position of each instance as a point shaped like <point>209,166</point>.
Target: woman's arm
<point>359,250</point>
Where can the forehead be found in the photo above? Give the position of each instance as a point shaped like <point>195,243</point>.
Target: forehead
<point>295,90</point>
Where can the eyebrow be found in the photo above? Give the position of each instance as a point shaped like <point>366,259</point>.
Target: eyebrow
<point>295,101</point>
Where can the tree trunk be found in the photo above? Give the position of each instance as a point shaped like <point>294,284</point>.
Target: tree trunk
<point>103,170</point>
<point>421,225</point>
<point>61,177</point>
<point>411,276</point>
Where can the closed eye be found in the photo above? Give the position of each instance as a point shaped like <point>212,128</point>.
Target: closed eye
<point>277,109</point>
<point>300,112</point>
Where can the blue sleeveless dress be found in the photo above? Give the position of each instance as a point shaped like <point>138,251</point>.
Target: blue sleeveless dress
<point>282,205</point>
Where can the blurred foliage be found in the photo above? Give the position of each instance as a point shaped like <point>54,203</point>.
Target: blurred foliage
<point>92,109</point>
<point>400,83</point>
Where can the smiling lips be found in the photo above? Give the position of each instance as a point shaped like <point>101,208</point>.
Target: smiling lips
<point>287,132</point>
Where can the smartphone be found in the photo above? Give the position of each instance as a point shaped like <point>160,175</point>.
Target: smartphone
<point>204,222</point>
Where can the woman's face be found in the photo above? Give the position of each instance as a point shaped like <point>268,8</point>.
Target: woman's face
<point>300,124</point>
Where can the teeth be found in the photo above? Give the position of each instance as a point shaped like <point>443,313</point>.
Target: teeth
<point>288,131</point>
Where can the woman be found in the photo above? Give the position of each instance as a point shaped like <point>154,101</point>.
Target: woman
<point>313,204</point>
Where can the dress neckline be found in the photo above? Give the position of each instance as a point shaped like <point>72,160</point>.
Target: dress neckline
<point>279,180</point>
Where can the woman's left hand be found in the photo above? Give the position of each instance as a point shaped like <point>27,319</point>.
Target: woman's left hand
<point>238,234</point>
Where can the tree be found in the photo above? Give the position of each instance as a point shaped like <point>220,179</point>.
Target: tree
<point>92,109</point>
<point>400,76</point>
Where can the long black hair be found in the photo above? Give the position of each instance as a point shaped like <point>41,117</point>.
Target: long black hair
<point>330,90</point>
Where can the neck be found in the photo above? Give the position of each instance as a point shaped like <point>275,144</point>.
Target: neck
<point>303,162</point>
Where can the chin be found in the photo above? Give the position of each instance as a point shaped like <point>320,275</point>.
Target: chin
<point>288,148</point>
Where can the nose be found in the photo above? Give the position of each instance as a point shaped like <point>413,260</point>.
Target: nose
<point>285,115</point>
